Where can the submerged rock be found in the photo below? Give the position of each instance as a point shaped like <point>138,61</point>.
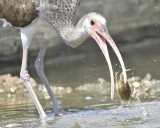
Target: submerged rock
<point>101,86</point>
<point>56,90</point>
<point>146,86</point>
<point>13,85</point>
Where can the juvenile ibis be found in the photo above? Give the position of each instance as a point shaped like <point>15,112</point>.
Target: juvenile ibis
<point>46,16</point>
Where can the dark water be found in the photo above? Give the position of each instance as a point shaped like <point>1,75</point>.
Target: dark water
<point>142,58</point>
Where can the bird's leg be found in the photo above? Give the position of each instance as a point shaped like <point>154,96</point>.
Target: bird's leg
<point>122,105</point>
<point>40,70</point>
<point>26,36</point>
<point>26,80</point>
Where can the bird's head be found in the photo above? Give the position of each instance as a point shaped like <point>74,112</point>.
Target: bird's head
<point>95,25</point>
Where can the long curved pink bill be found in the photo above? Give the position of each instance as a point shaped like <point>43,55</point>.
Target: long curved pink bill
<point>102,44</point>
<point>107,36</point>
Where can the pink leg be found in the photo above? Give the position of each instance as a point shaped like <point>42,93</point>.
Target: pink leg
<point>26,80</point>
<point>40,70</point>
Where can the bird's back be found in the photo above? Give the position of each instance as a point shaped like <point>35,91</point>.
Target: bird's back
<point>19,13</point>
<point>59,13</point>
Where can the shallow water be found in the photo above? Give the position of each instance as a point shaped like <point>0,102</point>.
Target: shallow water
<point>88,109</point>
<point>85,110</point>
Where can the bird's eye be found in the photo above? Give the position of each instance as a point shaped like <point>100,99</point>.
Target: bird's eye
<point>92,22</point>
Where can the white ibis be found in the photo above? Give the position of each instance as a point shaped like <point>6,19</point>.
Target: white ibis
<point>32,16</point>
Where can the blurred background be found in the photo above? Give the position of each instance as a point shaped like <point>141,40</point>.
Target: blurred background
<point>133,24</point>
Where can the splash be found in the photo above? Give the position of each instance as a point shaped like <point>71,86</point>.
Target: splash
<point>142,107</point>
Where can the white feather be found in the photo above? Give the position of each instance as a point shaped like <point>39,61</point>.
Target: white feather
<point>5,23</point>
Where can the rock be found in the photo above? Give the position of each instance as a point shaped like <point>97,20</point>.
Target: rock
<point>57,90</point>
<point>146,87</point>
<point>13,85</point>
<point>101,86</point>
<point>142,87</point>
<point>136,84</point>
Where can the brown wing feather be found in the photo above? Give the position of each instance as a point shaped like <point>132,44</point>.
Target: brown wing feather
<point>19,13</point>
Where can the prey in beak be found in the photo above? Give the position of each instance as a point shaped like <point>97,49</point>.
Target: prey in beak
<point>100,35</point>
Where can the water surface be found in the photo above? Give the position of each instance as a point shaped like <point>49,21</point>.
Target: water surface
<point>88,109</point>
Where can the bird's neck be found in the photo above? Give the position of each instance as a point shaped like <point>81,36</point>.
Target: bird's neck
<point>74,36</point>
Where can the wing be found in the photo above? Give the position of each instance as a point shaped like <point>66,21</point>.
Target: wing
<point>59,13</point>
<point>19,13</point>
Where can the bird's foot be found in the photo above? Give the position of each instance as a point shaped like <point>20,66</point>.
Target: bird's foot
<point>60,112</point>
